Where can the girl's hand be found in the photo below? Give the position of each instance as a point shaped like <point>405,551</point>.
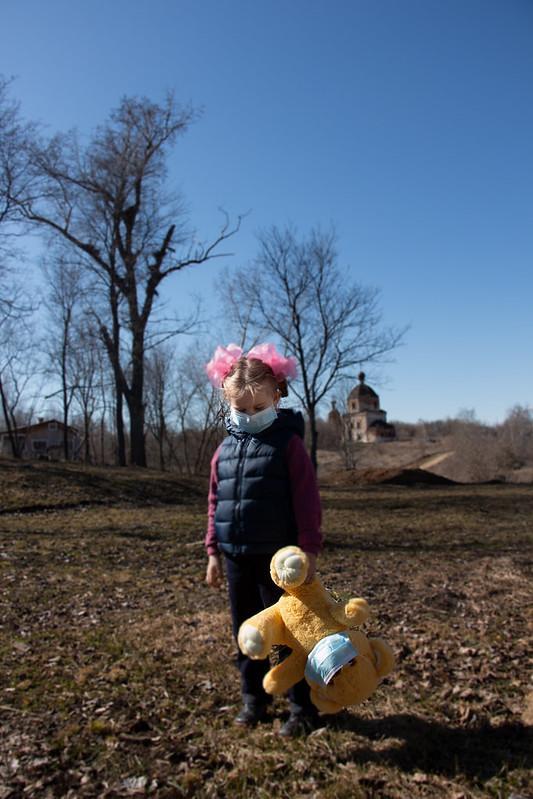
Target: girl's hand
<point>213,576</point>
<point>312,568</point>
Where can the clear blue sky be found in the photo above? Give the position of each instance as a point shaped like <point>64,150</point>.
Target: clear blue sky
<point>408,125</point>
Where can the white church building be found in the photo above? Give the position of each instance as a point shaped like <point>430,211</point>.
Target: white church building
<point>364,420</point>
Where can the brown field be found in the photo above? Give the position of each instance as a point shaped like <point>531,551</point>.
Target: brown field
<point>116,659</point>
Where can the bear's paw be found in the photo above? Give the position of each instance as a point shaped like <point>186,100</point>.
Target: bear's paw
<point>291,567</point>
<point>251,642</point>
<point>383,656</point>
<point>357,609</point>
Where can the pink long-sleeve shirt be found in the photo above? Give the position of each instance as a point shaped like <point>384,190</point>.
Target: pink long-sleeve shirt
<point>304,492</point>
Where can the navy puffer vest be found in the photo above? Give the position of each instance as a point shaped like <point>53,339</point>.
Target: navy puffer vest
<point>254,513</point>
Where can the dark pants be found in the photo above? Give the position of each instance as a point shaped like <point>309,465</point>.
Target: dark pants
<point>251,589</point>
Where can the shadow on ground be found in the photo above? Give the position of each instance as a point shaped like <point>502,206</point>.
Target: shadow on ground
<point>480,752</point>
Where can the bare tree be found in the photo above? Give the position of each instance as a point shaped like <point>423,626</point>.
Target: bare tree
<point>63,303</point>
<point>476,447</point>
<point>354,453</point>
<point>299,294</point>
<point>104,385</point>
<point>15,308</point>
<point>88,366</point>
<point>14,137</point>
<point>515,438</point>
<point>17,369</point>
<point>159,377</point>
<point>208,429</point>
<point>108,201</point>
<point>9,397</point>
<point>194,428</point>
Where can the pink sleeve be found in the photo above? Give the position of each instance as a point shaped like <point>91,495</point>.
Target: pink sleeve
<point>305,496</point>
<point>210,538</point>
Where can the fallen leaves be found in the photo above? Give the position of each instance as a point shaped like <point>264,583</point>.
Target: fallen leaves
<point>117,661</point>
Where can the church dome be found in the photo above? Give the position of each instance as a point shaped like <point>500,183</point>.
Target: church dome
<point>334,416</point>
<point>361,390</point>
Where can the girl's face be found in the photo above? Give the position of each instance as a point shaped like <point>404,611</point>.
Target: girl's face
<point>253,402</point>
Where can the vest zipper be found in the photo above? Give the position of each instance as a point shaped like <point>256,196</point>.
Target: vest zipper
<point>240,469</point>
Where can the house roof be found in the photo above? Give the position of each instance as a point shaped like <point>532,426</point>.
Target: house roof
<point>27,428</point>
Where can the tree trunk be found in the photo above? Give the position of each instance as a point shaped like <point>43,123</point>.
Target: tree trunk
<point>102,437</point>
<point>314,436</point>
<point>119,423</point>
<point>13,439</point>
<point>86,426</point>
<point>162,464</point>
<point>113,350</point>
<point>185,440</point>
<point>135,399</point>
<point>137,443</point>
<point>64,382</point>
<point>65,432</point>
<point>162,431</point>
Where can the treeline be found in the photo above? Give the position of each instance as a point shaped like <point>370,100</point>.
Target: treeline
<point>482,452</point>
<point>101,338</point>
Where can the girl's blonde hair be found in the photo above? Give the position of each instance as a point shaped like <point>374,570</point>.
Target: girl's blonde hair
<point>251,374</point>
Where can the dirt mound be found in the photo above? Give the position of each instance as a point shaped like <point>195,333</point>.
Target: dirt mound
<point>417,477</point>
<point>406,477</point>
<point>39,485</point>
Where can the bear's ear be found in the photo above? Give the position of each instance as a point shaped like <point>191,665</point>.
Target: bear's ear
<point>383,655</point>
<point>288,567</point>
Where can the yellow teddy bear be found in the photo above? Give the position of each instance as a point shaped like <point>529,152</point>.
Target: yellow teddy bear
<point>342,666</point>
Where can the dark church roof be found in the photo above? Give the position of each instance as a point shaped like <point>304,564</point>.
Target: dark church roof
<point>362,390</point>
<point>380,423</point>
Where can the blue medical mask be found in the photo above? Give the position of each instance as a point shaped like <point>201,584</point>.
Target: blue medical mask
<point>328,657</point>
<point>255,423</point>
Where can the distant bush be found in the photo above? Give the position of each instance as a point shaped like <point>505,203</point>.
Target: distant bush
<point>487,452</point>
<point>476,450</point>
<point>515,439</point>
<point>329,435</point>
<point>423,430</point>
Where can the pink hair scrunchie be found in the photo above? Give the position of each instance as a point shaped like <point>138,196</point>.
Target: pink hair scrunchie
<point>223,359</point>
<point>220,364</point>
<point>282,367</point>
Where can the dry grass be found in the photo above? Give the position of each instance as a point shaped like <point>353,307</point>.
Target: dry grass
<point>116,658</point>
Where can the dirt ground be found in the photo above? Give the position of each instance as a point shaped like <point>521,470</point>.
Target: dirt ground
<point>116,660</point>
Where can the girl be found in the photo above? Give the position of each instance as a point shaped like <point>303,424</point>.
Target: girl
<point>263,495</point>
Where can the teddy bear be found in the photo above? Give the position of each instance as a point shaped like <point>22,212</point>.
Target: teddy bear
<point>341,665</point>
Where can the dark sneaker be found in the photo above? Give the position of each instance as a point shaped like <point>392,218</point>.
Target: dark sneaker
<point>299,724</point>
<point>251,715</point>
